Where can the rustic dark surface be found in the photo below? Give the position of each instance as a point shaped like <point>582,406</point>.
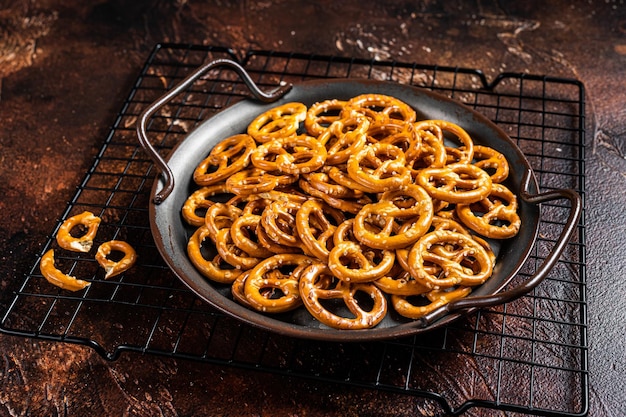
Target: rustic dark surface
<point>65,67</point>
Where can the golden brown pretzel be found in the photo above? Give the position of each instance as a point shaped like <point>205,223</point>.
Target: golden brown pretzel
<point>400,284</point>
<point>379,167</point>
<point>299,154</point>
<point>200,200</point>
<point>495,216</point>
<point>220,216</point>
<point>231,253</point>
<point>352,262</point>
<point>321,115</point>
<point>456,183</point>
<point>379,108</point>
<point>227,157</point>
<point>435,299</point>
<point>243,232</point>
<point>316,223</point>
<point>461,259</point>
<point>489,159</point>
<point>343,138</point>
<point>454,132</point>
<point>269,275</point>
<point>279,122</point>
<point>314,288</point>
<point>215,269</point>
<point>111,267</point>
<point>84,242</point>
<point>55,277</point>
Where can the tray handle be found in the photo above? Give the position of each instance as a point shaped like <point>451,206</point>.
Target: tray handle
<point>548,263</point>
<point>145,116</point>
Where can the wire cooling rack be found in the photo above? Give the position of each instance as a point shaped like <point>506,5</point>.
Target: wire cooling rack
<point>508,358</point>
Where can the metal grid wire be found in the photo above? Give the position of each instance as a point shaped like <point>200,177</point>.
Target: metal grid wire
<point>506,358</point>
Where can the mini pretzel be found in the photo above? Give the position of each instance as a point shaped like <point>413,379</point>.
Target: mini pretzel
<point>400,284</point>
<point>321,115</point>
<point>489,159</point>
<point>83,243</point>
<point>434,298</point>
<point>290,155</point>
<point>379,167</point>
<point>430,154</point>
<point>316,223</point>
<point>244,234</point>
<point>346,204</point>
<point>55,277</point>
<point>200,200</point>
<point>220,216</point>
<point>380,108</point>
<point>113,268</point>
<point>231,253</point>
<point>377,227</point>
<point>495,216</point>
<point>314,288</point>
<point>350,262</point>
<point>215,269</point>
<point>279,122</point>
<point>227,157</point>
<point>279,223</point>
<point>269,274</point>
<point>456,183</point>
<point>343,138</point>
<point>252,181</point>
<point>456,133</point>
<point>462,260</point>
<point>323,183</point>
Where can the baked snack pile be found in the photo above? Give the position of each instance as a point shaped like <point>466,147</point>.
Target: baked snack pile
<point>349,208</point>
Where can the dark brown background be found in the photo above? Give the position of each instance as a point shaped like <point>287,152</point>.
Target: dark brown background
<point>65,67</point>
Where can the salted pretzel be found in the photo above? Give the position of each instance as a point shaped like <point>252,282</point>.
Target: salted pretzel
<point>243,232</point>
<point>115,267</point>
<point>229,156</point>
<point>379,167</point>
<point>351,262</point>
<point>344,137</point>
<point>220,216</point>
<point>461,260</point>
<point>491,160</point>
<point>316,223</point>
<point>84,242</point>
<point>400,283</point>
<point>215,268</point>
<point>279,122</point>
<point>456,183</point>
<point>253,181</point>
<point>281,274</point>
<point>233,254</point>
<point>495,216</point>
<point>434,299</point>
<point>322,114</point>
<point>315,292</point>
<point>299,154</point>
<point>194,209</point>
<point>451,132</point>
<point>379,108</point>
<point>55,277</point>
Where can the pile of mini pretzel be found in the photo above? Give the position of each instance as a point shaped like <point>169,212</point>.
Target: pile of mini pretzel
<point>349,208</point>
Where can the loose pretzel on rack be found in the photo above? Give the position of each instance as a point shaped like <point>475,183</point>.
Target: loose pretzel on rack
<point>55,277</point>
<point>111,267</point>
<point>83,243</point>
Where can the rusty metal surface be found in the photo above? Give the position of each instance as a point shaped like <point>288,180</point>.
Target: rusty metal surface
<point>65,67</point>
